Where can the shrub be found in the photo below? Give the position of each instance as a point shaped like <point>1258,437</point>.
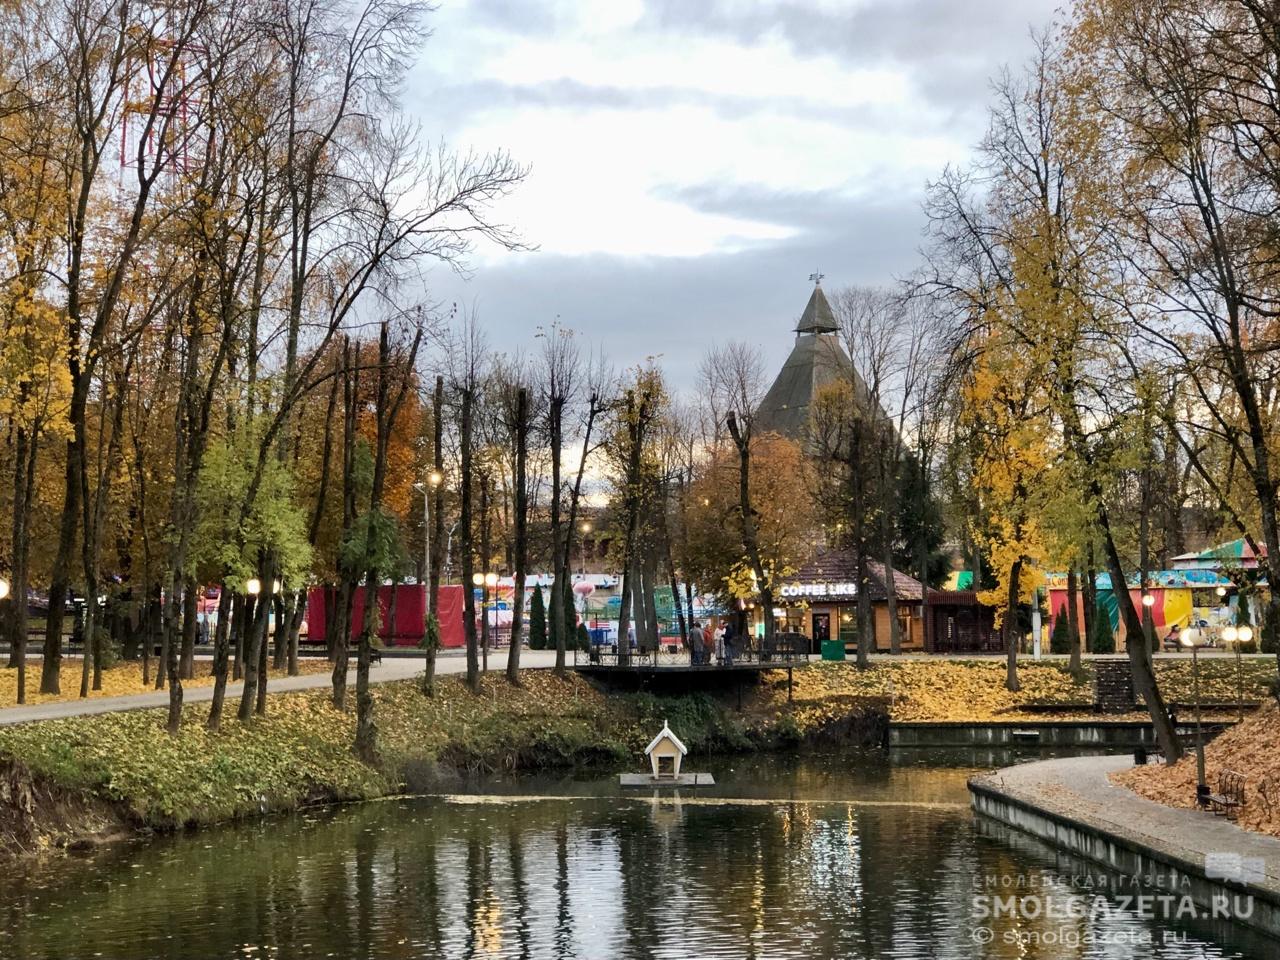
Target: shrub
<point>583,638</point>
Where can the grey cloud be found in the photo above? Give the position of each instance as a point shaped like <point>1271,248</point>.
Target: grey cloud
<point>951,46</point>
<point>678,307</point>
<point>451,105</point>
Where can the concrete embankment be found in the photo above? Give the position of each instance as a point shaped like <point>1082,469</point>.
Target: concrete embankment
<point>1110,734</point>
<point>1071,805</point>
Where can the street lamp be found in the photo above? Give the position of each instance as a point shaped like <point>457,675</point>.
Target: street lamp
<point>434,479</point>
<point>253,586</point>
<point>486,582</point>
<point>4,588</point>
<point>1191,638</point>
<point>582,545</point>
<point>1237,637</point>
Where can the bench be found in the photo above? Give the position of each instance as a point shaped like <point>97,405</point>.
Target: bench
<point>1230,796</point>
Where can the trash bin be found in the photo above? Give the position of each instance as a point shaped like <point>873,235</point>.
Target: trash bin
<point>832,649</point>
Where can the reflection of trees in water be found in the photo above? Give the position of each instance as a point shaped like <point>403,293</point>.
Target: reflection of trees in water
<point>525,879</point>
<point>519,886</point>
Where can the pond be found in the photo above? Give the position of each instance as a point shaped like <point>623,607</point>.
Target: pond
<point>860,856</point>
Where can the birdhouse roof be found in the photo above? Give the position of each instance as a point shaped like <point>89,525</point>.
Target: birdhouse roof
<point>665,734</point>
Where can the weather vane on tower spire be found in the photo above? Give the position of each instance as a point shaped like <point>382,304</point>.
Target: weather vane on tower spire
<point>816,277</point>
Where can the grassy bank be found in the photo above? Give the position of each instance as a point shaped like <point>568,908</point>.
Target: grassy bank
<point>301,751</point>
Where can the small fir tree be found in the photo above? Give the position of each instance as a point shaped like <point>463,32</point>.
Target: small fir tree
<point>537,621</point>
<point>1060,638</point>
<point>1104,638</point>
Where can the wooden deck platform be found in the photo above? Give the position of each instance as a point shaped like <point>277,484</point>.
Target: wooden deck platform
<point>649,780</point>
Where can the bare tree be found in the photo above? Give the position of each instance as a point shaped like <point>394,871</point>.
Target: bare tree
<point>735,373</point>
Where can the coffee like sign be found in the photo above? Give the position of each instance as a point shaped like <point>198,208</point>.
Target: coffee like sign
<point>819,590</point>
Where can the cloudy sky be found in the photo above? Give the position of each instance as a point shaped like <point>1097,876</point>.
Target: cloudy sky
<point>693,161</point>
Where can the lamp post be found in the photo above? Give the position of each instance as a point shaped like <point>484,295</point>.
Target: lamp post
<point>477,580</point>
<point>4,588</point>
<point>1191,638</point>
<point>434,479</point>
<point>582,545</point>
<point>486,582</point>
<point>1148,622</point>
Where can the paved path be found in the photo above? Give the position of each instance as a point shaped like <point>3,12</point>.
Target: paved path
<point>391,668</point>
<point>1079,788</point>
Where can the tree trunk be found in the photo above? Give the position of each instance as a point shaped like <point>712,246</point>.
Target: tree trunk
<point>68,525</point>
<point>1090,592</point>
<point>437,531</point>
<point>341,629</point>
<point>559,539</point>
<point>190,605</point>
<point>521,558</point>
<point>260,697</point>
<point>1011,629</point>
<point>255,643</point>
<point>468,557</point>
<point>90,628</point>
<point>891,603</point>
<point>624,613</point>
<point>649,570</point>
<point>295,629</point>
<point>866,617</point>
<point>171,667</point>
<point>226,600</point>
<point>1144,678</point>
<point>366,730</point>
<point>741,434</point>
<point>241,617</point>
<point>23,485</point>
<point>1073,620</point>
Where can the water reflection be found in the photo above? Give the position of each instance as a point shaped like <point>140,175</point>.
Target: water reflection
<point>836,858</point>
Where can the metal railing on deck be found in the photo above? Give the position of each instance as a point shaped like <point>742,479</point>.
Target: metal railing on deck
<point>780,650</point>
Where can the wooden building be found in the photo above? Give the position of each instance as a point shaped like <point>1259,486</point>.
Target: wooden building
<point>821,602</point>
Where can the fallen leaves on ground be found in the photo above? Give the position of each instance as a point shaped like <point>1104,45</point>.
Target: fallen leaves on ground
<point>1251,748</point>
<point>118,680</point>
<point>939,690</point>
